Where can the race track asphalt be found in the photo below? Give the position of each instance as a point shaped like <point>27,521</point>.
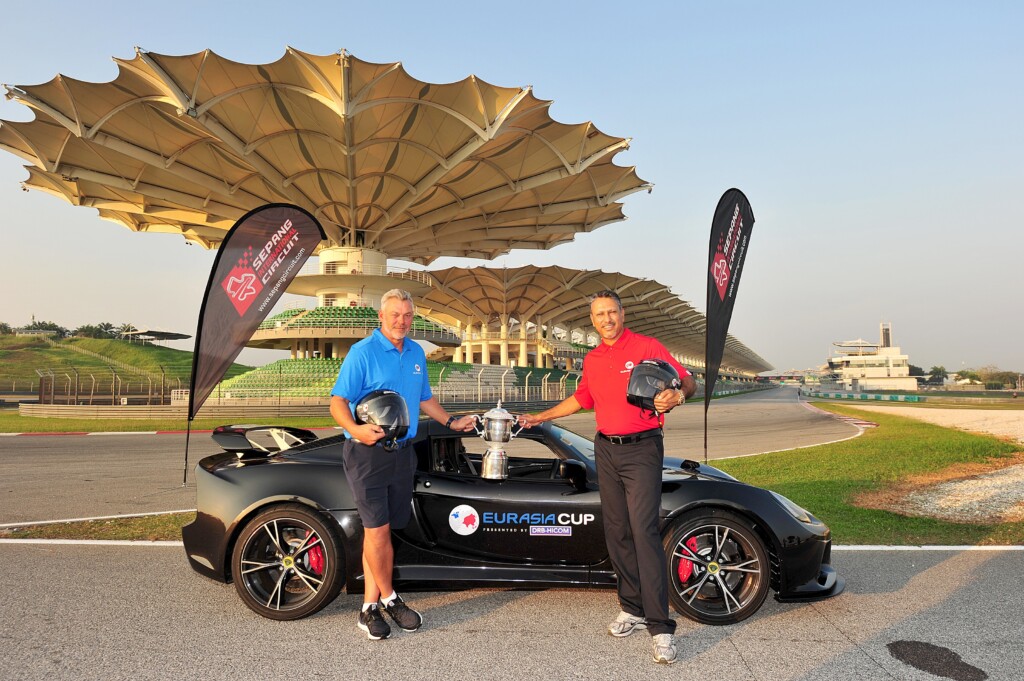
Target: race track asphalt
<point>77,476</point>
<point>116,612</point>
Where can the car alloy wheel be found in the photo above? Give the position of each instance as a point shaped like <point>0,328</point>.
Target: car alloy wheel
<point>718,567</point>
<point>287,563</point>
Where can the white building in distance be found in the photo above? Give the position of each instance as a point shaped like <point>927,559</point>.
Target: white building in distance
<point>860,366</point>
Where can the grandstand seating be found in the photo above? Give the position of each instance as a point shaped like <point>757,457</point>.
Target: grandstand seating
<point>281,319</point>
<point>450,381</point>
<point>284,378</point>
<point>342,317</point>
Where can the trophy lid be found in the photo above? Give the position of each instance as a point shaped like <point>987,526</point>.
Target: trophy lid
<point>499,414</point>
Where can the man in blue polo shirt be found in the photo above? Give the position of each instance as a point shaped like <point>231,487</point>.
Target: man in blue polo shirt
<point>382,480</point>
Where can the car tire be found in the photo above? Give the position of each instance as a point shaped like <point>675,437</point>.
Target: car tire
<point>717,566</point>
<point>287,562</point>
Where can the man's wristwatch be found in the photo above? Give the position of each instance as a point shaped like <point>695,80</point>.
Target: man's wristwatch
<point>448,423</point>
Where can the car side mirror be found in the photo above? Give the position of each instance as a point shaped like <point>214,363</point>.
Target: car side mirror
<point>573,472</point>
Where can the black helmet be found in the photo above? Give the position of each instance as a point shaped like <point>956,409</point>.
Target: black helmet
<point>387,409</point>
<point>649,378</point>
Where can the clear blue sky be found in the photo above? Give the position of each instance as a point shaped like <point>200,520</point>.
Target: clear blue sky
<point>880,145</point>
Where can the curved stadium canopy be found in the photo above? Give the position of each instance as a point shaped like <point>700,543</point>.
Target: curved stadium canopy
<point>390,164</point>
<point>561,296</point>
<point>188,144</point>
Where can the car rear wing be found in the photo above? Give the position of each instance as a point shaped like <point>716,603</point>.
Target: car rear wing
<point>260,440</point>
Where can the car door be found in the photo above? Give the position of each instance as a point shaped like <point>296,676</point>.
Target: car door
<point>534,515</point>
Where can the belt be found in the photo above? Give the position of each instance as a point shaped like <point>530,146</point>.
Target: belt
<point>630,439</point>
<point>380,443</point>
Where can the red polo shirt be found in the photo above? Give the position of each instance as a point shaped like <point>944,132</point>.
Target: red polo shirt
<point>606,371</point>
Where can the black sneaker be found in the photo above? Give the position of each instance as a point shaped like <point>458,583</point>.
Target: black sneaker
<point>372,622</point>
<point>405,617</point>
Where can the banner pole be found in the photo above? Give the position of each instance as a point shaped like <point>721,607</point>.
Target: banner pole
<point>706,437</point>
<point>184,468</point>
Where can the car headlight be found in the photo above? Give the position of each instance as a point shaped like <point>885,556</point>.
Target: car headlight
<point>798,512</point>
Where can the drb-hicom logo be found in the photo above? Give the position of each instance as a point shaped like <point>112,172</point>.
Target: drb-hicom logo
<point>242,285</point>
<point>725,253</point>
<point>464,520</point>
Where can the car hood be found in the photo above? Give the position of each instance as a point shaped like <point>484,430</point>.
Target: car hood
<point>677,466</point>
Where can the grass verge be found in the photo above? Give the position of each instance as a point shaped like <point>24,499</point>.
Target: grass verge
<point>144,528</point>
<point>825,479</point>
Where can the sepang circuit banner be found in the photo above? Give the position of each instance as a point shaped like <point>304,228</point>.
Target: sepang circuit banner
<point>257,260</point>
<point>730,238</point>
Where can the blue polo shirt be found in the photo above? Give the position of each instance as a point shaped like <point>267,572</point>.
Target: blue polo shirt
<point>374,363</point>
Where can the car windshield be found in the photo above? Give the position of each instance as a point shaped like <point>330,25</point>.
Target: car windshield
<point>573,444</point>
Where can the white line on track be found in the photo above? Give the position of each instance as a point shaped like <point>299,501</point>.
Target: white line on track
<point>852,547</point>
<point>860,431</point>
<point>126,432</point>
<point>868,547</point>
<point>99,517</point>
<point>91,542</point>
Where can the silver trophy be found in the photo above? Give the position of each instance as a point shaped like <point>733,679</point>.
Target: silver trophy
<point>498,428</point>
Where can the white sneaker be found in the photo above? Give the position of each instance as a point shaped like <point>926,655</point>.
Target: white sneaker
<point>625,624</point>
<point>664,649</point>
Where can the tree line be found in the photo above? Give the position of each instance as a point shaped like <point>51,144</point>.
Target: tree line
<point>991,375</point>
<point>100,330</point>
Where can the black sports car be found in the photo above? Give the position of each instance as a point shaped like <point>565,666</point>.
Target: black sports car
<point>276,516</point>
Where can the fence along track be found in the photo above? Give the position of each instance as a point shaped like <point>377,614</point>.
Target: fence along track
<point>228,412</point>
<point>104,358</point>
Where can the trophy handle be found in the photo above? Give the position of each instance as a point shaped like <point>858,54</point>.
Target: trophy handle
<point>476,426</point>
<point>514,432</point>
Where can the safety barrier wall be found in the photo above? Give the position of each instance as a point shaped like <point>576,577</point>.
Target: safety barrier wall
<point>869,396</point>
<point>284,407</point>
<point>248,411</point>
<point>933,400</point>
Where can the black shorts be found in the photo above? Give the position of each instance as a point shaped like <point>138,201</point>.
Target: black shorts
<point>381,483</point>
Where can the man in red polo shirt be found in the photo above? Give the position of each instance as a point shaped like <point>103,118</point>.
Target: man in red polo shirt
<point>630,453</point>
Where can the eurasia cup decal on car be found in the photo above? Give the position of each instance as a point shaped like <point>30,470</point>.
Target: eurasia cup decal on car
<point>464,520</point>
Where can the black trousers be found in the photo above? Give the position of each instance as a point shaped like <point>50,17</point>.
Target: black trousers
<point>630,481</point>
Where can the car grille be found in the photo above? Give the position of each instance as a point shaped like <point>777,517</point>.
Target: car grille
<point>776,570</point>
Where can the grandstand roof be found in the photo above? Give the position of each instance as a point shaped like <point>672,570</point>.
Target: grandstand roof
<point>188,144</point>
<point>561,296</point>
<point>155,335</point>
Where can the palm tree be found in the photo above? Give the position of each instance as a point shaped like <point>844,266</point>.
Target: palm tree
<point>126,329</point>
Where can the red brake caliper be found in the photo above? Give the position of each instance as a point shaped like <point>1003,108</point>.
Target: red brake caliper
<point>685,568</point>
<point>316,556</point>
